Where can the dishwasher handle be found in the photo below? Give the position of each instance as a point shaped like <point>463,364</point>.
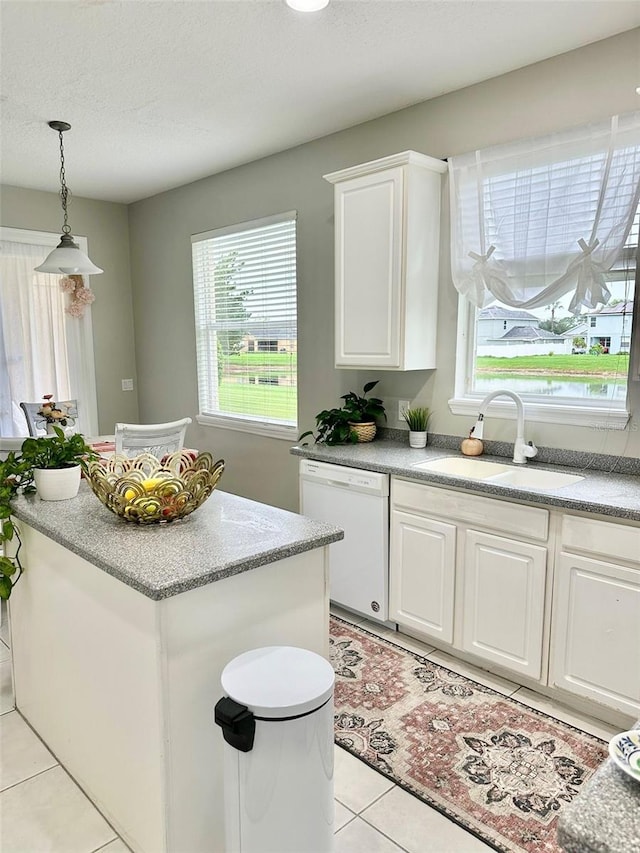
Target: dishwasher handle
<point>347,479</point>
<point>339,483</point>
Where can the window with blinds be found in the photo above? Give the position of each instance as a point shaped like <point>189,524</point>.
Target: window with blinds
<point>244,279</point>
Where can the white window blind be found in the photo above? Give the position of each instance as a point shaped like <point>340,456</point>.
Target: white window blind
<point>535,219</point>
<point>244,279</point>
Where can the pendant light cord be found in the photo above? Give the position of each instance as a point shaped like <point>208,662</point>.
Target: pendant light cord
<point>64,190</point>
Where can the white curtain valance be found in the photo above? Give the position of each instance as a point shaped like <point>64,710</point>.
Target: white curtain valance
<point>535,219</point>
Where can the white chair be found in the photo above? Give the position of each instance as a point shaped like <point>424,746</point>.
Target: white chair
<point>158,439</point>
<point>36,424</point>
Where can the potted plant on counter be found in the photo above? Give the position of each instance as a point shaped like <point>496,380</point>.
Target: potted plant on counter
<point>417,420</point>
<point>355,421</point>
<point>56,462</point>
<point>57,456</point>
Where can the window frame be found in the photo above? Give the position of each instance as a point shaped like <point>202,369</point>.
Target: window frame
<point>235,421</point>
<point>564,411</point>
<point>79,331</point>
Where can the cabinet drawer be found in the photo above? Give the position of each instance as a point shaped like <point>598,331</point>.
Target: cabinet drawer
<point>525,521</point>
<point>590,536</point>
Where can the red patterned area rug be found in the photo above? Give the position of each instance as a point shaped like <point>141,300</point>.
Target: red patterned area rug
<point>496,767</point>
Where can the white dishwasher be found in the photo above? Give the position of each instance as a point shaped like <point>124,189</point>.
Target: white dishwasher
<point>358,502</point>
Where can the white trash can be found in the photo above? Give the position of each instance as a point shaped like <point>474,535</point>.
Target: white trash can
<point>277,721</point>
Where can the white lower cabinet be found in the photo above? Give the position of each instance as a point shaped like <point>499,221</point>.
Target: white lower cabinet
<point>552,598</point>
<point>480,591</point>
<point>422,594</point>
<point>596,631</point>
<point>503,601</point>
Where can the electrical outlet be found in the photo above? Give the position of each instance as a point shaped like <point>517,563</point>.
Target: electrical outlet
<point>403,405</point>
<point>127,384</point>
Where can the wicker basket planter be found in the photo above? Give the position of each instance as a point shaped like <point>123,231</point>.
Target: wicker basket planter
<point>365,431</point>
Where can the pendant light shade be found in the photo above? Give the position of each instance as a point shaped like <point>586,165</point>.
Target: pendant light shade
<point>307,5</point>
<point>66,258</point>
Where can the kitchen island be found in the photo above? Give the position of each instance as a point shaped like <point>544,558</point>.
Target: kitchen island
<point>605,816</point>
<point>120,633</point>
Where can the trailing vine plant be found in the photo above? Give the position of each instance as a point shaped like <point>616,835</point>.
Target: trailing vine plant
<point>15,473</point>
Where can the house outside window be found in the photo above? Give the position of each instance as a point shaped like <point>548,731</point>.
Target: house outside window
<point>244,279</point>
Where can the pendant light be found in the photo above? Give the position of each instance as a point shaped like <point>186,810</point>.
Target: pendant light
<point>307,5</point>
<point>66,258</point>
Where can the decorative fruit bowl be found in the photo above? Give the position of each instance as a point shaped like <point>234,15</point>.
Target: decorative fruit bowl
<point>146,490</point>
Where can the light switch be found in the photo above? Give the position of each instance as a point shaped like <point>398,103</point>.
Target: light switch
<point>127,384</point>
<point>403,405</point>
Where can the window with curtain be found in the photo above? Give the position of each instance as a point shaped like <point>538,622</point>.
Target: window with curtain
<point>43,350</point>
<point>245,300</point>
<point>544,235</point>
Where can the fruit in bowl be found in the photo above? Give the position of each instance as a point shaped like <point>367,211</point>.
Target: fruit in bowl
<point>187,456</point>
<point>146,490</point>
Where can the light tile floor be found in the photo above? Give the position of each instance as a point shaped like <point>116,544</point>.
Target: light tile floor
<point>42,808</point>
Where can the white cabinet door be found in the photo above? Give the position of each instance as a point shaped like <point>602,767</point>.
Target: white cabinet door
<point>387,231</point>
<point>422,576</point>
<point>503,601</point>
<point>596,632</point>
<point>368,269</point>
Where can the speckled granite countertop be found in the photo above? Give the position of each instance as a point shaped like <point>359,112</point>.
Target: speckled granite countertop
<point>225,536</point>
<point>605,816</point>
<point>602,491</point>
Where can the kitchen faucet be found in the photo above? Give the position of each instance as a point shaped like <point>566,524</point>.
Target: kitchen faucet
<point>521,449</point>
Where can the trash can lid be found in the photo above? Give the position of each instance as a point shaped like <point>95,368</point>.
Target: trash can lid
<point>279,681</point>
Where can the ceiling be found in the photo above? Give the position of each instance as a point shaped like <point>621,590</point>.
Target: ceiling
<point>160,93</point>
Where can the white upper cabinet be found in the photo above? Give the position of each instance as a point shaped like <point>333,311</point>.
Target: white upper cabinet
<point>387,235</point>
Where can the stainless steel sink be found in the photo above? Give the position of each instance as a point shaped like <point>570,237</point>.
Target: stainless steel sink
<point>495,472</point>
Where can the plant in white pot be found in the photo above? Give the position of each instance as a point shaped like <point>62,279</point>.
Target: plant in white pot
<point>417,420</point>
<point>56,461</point>
<point>56,455</point>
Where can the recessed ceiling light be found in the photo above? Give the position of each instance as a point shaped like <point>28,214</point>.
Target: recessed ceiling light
<point>638,90</point>
<point>307,5</point>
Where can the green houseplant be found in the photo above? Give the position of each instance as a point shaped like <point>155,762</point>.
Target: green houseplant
<point>417,420</point>
<point>17,473</point>
<point>340,425</point>
<point>56,451</point>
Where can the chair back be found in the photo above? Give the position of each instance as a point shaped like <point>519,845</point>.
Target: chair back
<point>36,424</point>
<point>158,439</point>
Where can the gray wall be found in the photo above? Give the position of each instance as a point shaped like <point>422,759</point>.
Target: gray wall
<point>106,226</point>
<point>587,84</point>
